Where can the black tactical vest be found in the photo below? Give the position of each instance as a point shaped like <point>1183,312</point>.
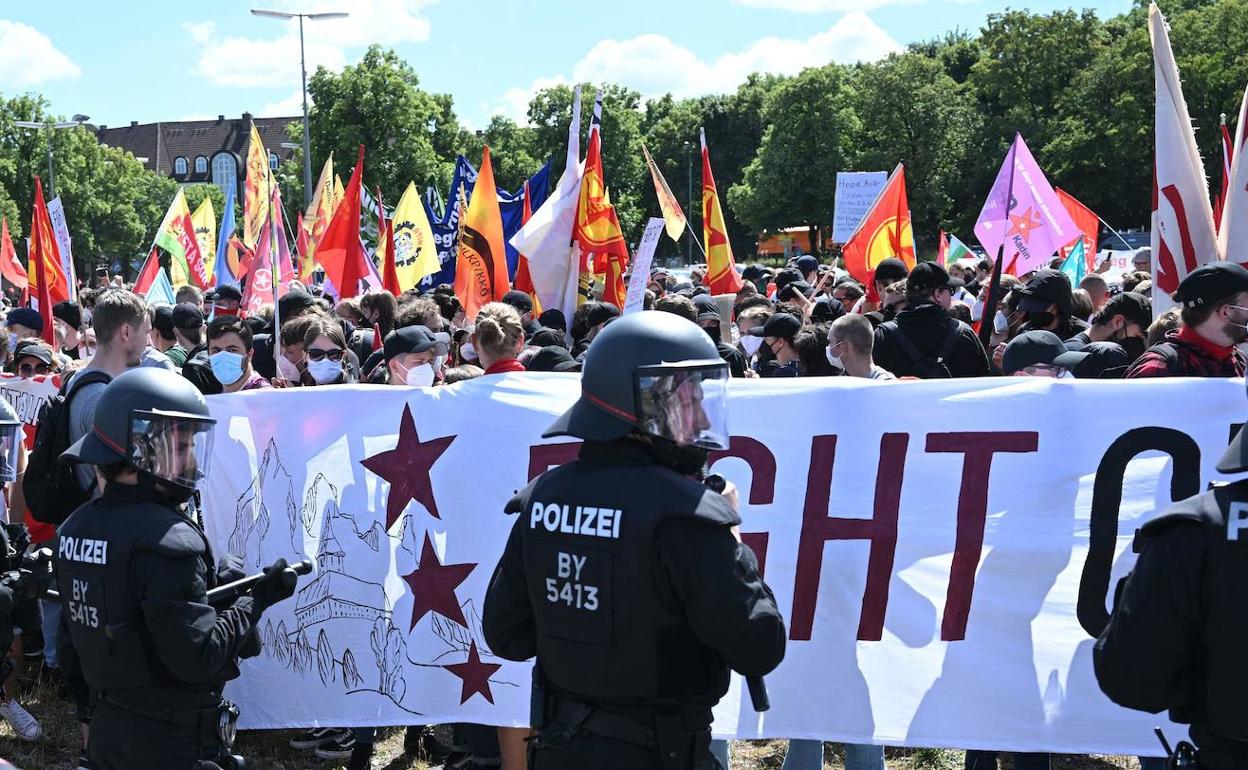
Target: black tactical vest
<point>1217,700</point>
<point>95,546</point>
<point>605,631</point>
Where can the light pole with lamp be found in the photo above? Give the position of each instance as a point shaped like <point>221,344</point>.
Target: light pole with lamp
<point>303,69</point>
<point>51,125</point>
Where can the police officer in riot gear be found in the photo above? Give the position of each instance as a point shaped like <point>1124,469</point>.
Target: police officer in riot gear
<point>133,570</point>
<point>623,574</point>
<point>1178,634</point>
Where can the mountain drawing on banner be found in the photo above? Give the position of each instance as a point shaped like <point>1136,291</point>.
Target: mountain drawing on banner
<point>271,491</point>
<point>460,638</point>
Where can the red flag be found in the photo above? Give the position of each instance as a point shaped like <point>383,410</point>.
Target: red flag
<point>385,240</point>
<point>147,273</point>
<point>1228,155</point>
<point>340,251</point>
<point>943,249</point>
<point>45,256</point>
<point>12,269</point>
<point>597,228</point>
<point>524,281</point>
<point>1086,220</point>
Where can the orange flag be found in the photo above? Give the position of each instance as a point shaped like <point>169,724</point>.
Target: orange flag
<point>481,261</point>
<point>340,252</point>
<point>884,232</point>
<point>45,271</point>
<point>10,267</point>
<point>597,229</point>
<point>385,245</point>
<point>721,268</point>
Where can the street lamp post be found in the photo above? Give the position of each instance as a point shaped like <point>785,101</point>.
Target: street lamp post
<point>303,71</point>
<point>51,125</point>
<point>689,156</point>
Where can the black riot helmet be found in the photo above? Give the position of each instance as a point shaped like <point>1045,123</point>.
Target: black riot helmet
<point>654,373</point>
<point>153,420</point>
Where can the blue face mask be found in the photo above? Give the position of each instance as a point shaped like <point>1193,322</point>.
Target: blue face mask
<point>227,367</point>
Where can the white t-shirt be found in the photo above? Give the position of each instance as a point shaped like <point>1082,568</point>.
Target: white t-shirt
<point>880,373</point>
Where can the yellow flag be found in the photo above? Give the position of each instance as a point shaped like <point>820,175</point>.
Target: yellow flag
<point>205,221</point>
<point>415,253</point>
<point>673,217</point>
<point>339,194</point>
<point>256,188</point>
<point>320,210</point>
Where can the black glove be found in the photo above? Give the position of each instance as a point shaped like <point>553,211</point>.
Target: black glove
<point>251,645</point>
<point>229,569</point>
<point>275,586</point>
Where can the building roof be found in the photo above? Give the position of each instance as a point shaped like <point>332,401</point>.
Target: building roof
<point>343,588</point>
<point>163,142</point>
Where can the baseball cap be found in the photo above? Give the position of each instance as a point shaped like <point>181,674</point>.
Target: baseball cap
<point>414,339</point>
<point>32,349</point>
<point>519,300</point>
<point>292,302</point>
<point>807,264</point>
<point>1133,306</point>
<point>162,319</point>
<point>187,316</point>
<point>780,325</point>
<point>707,309</point>
<point>1046,287</point>
<point>553,358</point>
<point>544,338</point>
<point>69,312</point>
<point>553,319</point>
<point>228,293</point>
<point>1105,360</point>
<point>601,313</point>
<point>1206,284</point>
<point>1038,347</point>
<point>827,309</point>
<point>792,287</point>
<point>929,276</point>
<point>891,269</point>
<point>25,316</point>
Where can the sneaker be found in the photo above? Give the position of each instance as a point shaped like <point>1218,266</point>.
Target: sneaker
<point>25,725</point>
<point>83,762</point>
<point>310,739</point>
<point>340,747</point>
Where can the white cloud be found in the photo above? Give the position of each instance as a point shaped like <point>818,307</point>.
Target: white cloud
<point>28,58</point>
<point>291,105</point>
<point>272,59</point>
<point>823,6</point>
<point>655,64</point>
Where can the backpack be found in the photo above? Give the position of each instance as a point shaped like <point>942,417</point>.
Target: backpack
<point>923,366</point>
<point>52,488</point>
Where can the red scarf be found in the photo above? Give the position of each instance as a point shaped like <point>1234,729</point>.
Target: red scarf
<point>504,366</point>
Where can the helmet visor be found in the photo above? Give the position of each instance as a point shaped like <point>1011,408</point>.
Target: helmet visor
<point>171,446</point>
<point>684,403</point>
<point>10,445</point>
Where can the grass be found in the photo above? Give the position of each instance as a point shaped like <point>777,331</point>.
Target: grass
<point>268,750</point>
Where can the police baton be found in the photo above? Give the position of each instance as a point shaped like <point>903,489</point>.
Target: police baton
<point>231,591</point>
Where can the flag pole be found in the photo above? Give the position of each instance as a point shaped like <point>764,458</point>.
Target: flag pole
<point>274,275</point>
<point>987,320</point>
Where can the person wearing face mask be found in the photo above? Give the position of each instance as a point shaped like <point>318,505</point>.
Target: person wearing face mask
<point>1213,320</point>
<point>778,336</point>
<point>850,341</point>
<point>749,318</point>
<point>411,353</point>
<point>229,355</point>
<point>23,323</point>
<point>327,361</point>
<point>703,311</point>
<point>134,567</point>
<point>1048,302</point>
<point>67,318</point>
<point>924,341</point>
<point>1123,321</point>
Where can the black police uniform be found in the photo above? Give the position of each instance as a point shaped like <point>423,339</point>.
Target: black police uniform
<point>1179,630</point>
<point>133,575</point>
<point>624,579</point>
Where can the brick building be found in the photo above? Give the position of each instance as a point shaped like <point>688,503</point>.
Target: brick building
<point>192,151</point>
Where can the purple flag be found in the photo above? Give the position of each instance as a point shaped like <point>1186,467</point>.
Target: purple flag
<point>1035,224</point>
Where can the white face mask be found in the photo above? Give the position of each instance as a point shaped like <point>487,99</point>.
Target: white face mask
<point>751,345</point>
<point>467,352</point>
<point>324,371</point>
<point>437,363</point>
<point>286,370</point>
<point>420,376</point>
<point>1001,324</point>
<point>834,360</point>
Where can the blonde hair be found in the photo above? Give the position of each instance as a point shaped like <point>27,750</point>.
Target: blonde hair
<point>498,329</point>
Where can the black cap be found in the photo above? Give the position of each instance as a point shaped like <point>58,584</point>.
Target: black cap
<point>1038,347</point>
<point>707,309</point>
<point>807,264</point>
<point>1133,306</point>
<point>752,273</point>
<point>25,316</point>
<point>1106,360</point>
<point>1211,282</point>
<point>292,302</point>
<point>544,338</point>
<point>891,269</point>
<point>826,310</point>
<point>519,300</point>
<point>187,316</point>
<point>553,358</point>
<point>228,292</point>
<point>413,339</point>
<point>553,319</point>
<point>69,312</point>
<point>792,287</point>
<point>1046,287</point>
<point>162,319</point>
<point>32,349</point>
<point>929,276</point>
<point>601,313</point>
<point>780,325</point>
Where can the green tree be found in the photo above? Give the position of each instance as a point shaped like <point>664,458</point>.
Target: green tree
<point>510,152</point>
<point>196,193</point>
<point>810,136</point>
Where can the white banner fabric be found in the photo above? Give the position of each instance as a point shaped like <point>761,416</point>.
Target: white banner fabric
<point>855,192</point>
<point>936,548</point>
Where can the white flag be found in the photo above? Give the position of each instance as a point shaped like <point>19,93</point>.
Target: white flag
<point>1233,235</point>
<point>1183,232</point>
<point>546,239</point>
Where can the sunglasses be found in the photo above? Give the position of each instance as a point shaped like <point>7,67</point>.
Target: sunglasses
<point>316,354</point>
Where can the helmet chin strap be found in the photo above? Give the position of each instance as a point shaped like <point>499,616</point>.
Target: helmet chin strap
<point>173,494</point>
<point>685,460</point>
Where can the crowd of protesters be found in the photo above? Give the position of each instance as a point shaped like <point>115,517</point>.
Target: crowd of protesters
<point>806,319</point>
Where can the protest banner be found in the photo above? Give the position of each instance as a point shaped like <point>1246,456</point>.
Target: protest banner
<point>640,273</point>
<point>943,567</point>
<point>855,192</point>
<point>60,229</point>
<point>27,395</point>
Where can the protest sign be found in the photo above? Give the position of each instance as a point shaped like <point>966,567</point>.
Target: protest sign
<point>60,229</point>
<point>640,273</point>
<point>943,568</point>
<point>855,192</point>
<point>27,395</point>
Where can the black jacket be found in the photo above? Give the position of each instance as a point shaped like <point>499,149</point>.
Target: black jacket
<point>926,326</point>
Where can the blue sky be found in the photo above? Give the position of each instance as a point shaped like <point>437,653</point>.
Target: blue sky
<point>150,60</point>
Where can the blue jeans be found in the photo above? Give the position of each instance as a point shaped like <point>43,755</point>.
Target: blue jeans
<point>808,755</point>
<point>719,750</point>
<point>51,630</point>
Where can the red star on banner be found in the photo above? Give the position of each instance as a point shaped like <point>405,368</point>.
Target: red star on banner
<point>1023,224</point>
<point>476,675</point>
<point>433,586</point>
<point>407,467</point>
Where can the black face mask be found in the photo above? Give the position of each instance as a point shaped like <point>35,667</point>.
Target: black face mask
<point>712,331</point>
<point>1134,346</point>
<point>1042,320</point>
<point>685,460</point>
